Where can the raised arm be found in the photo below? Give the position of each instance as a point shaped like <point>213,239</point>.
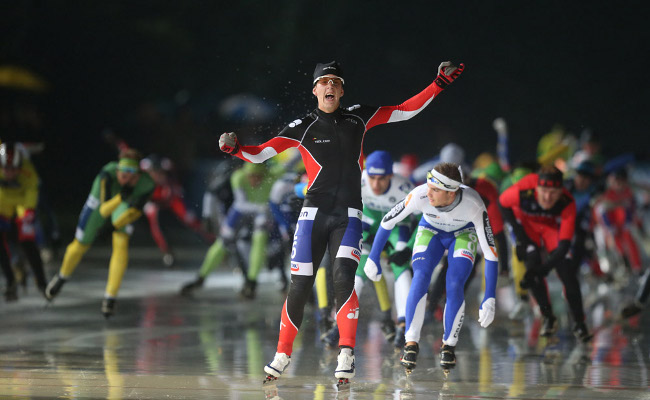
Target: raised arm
<point>447,73</point>
<point>228,143</point>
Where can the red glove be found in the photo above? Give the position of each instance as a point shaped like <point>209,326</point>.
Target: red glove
<point>228,143</point>
<point>447,73</point>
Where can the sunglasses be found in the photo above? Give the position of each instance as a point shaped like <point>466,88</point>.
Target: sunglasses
<point>130,170</point>
<point>327,80</point>
<point>437,182</point>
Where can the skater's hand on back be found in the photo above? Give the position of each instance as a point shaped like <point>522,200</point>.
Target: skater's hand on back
<point>372,270</point>
<point>447,73</point>
<point>486,312</point>
<point>228,143</point>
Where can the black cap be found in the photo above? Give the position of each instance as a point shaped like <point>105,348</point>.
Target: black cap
<point>330,68</point>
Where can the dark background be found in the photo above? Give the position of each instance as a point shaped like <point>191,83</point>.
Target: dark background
<point>158,72</point>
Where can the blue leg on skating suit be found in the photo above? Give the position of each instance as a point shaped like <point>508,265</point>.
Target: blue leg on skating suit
<point>424,261</point>
<point>457,273</point>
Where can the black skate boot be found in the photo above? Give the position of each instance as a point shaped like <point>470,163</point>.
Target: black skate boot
<point>400,330</point>
<point>388,329</point>
<point>11,292</point>
<point>631,310</point>
<point>248,291</point>
<point>549,326</point>
<point>189,288</point>
<point>54,287</point>
<point>324,323</point>
<point>108,307</point>
<point>410,357</point>
<point>447,357</point>
<point>581,333</point>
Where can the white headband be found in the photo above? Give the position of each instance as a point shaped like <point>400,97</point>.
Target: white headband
<point>442,182</point>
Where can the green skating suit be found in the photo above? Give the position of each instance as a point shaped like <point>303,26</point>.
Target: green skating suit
<point>250,204</point>
<point>104,189</point>
<point>374,209</point>
<point>105,202</point>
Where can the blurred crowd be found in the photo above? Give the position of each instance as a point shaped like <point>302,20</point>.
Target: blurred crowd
<point>249,214</point>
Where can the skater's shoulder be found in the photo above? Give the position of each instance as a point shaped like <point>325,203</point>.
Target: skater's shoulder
<point>404,185</point>
<point>110,167</point>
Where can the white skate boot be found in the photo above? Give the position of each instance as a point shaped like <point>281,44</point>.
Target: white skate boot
<point>345,368</point>
<point>276,367</point>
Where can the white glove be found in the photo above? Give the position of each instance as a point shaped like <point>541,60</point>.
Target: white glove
<point>228,143</point>
<point>372,270</point>
<point>486,312</point>
<point>500,126</point>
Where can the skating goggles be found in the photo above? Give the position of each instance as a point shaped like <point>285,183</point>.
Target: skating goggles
<point>128,165</point>
<point>442,182</point>
<point>325,80</point>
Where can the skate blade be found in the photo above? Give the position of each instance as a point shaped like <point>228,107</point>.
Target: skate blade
<point>408,371</point>
<point>445,372</point>
<point>269,379</point>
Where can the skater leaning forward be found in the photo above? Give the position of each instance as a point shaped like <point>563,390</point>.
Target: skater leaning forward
<point>454,218</point>
<point>330,141</point>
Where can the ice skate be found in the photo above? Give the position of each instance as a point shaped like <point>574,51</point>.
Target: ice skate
<point>388,329</point>
<point>447,358</point>
<point>399,341</point>
<point>631,310</point>
<point>409,358</point>
<point>189,288</point>
<point>324,323</point>
<point>54,287</point>
<point>581,332</point>
<point>549,326</point>
<point>248,291</point>
<point>275,368</point>
<point>11,292</point>
<point>345,367</point>
<point>108,307</point>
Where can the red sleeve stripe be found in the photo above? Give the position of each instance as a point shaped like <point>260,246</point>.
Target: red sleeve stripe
<point>261,153</point>
<point>312,166</point>
<point>406,110</point>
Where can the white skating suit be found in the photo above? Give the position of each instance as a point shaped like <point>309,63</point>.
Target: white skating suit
<point>459,228</point>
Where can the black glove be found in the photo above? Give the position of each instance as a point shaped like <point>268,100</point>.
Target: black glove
<point>521,249</point>
<point>400,257</point>
<point>126,191</point>
<point>559,253</point>
<point>388,246</point>
<point>545,269</point>
<point>531,278</point>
